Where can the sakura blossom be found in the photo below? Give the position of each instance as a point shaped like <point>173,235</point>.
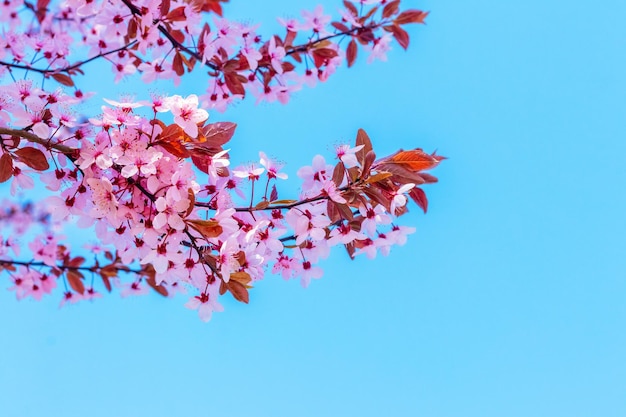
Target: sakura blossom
<point>151,181</point>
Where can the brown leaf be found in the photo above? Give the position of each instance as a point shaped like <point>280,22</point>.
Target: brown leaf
<point>241,277</point>
<point>428,179</point>
<point>339,173</point>
<point>411,16</point>
<point>378,177</point>
<point>351,53</point>
<point>283,202</point>
<point>63,79</point>
<point>78,261</point>
<point>415,160</point>
<point>239,291</point>
<point>362,139</point>
<point>218,134</point>
<point>75,280</point>
<point>207,228</point>
<point>158,288</point>
<point>192,201</point>
<point>262,205</point>
<point>322,55</point>
<point>6,167</point>
<point>332,211</point>
<point>340,27</point>
<point>164,7</point>
<point>401,36</point>
<point>176,15</point>
<point>175,148</point>
<point>106,281</point>
<point>177,64</point>
<point>32,157</point>
<point>370,157</point>
<point>179,37</point>
<point>350,6</point>
<point>391,9</point>
<point>132,28</point>
<point>235,83</point>
<point>419,196</point>
<point>289,38</point>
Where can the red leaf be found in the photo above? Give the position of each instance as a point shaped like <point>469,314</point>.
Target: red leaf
<point>414,160</point>
<point>401,36</point>
<point>75,280</point>
<point>348,5</point>
<point>106,282</point>
<point>351,53</point>
<point>363,139</point>
<point>207,228</point>
<point>411,16</point>
<point>178,36</point>
<point>158,288</point>
<point>175,148</point>
<point>340,27</point>
<point>274,194</point>
<point>6,167</point>
<point>234,83</point>
<point>419,196</point>
<point>339,174</point>
<point>164,7</point>
<point>177,65</point>
<point>42,9</point>
<point>322,55</point>
<point>178,14</point>
<point>32,157</point>
<point>132,28</point>
<point>218,134</point>
<point>63,79</point>
<point>239,291</point>
<point>391,9</point>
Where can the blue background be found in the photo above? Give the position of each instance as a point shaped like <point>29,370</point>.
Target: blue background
<point>510,300</point>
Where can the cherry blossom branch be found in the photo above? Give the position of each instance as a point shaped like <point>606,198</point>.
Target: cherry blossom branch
<point>36,139</point>
<point>93,268</point>
<point>70,67</point>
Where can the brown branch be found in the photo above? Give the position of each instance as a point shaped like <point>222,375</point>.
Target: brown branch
<point>70,67</point>
<point>93,268</point>
<point>278,206</point>
<point>34,138</point>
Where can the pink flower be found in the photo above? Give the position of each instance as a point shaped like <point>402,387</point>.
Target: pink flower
<point>206,303</point>
<point>187,114</point>
<point>380,48</point>
<point>104,200</point>
<point>318,172</point>
<point>272,167</point>
<point>316,21</point>
<point>348,155</point>
<point>372,217</point>
<point>276,55</point>
<point>169,214</point>
<point>251,172</point>
<point>134,288</point>
<point>399,199</point>
<point>309,272</point>
<point>139,163</point>
<point>292,25</point>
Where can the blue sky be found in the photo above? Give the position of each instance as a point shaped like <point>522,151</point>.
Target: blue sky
<point>510,300</point>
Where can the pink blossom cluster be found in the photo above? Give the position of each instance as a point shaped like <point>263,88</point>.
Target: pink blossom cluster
<point>149,208</point>
<point>164,39</point>
<point>163,200</point>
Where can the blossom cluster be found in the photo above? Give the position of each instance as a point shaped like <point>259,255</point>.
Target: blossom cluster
<point>163,199</point>
<point>164,39</point>
<point>135,181</point>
